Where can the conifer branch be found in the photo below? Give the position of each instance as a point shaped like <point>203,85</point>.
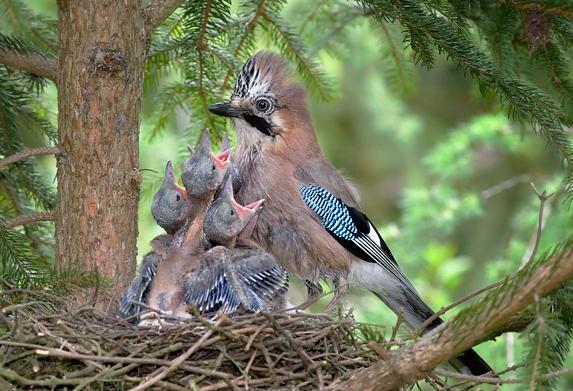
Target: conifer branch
<point>29,219</point>
<point>495,380</point>
<point>32,63</point>
<point>247,31</point>
<point>201,47</point>
<point>28,153</point>
<point>473,324</point>
<point>157,11</point>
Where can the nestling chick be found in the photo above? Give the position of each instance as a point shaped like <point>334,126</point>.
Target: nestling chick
<point>203,171</point>
<point>170,209</point>
<point>228,277</point>
<point>226,219</point>
<point>170,206</point>
<point>233,170</point>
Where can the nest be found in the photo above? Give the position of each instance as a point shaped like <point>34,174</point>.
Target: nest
<point>47,344</point>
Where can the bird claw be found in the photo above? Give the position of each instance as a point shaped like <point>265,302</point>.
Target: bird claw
<point>339,293</point>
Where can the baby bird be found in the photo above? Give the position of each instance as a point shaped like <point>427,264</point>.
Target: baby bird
<point>226,219</point>
<point>203,174</point>
<point>226,276</point>
<point>203,171</point>
<point>170,209</point>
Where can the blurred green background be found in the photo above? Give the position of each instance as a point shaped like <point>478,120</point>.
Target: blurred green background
<point>442,170</point>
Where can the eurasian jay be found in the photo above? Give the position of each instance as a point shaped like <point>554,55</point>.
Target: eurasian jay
<point>311,222</point>
<point>170,209</point>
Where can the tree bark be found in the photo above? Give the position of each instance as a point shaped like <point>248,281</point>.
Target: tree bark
<point>103,47</point>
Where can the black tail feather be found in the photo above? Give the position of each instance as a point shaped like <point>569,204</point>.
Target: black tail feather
<point>468,360</point>
<point>473,361</point>
<point>413,307</point>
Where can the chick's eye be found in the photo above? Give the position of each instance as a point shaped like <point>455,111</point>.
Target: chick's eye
<point>178,197</point>
<point>213,168</point>
<point>264,105</point>
<point>232,212</point>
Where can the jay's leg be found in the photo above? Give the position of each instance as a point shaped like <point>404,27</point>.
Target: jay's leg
<point>340,287</point>
<point>313,289</point>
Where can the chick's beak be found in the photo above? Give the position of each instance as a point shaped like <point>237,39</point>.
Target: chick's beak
<point>182,192</point>
<point>224,155</point>
<point>225,109</point>
<point>255,206</point>
<point>247,211</point>
<point>221,162</point>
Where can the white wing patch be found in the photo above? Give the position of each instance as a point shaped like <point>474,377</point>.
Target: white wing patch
<point>372,235</point>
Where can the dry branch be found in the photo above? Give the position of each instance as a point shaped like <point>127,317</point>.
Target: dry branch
<point>32,63</point>
<point>157,11</point>
<point>473,324</point>
<point>29,219</point>
<point>28,153</point>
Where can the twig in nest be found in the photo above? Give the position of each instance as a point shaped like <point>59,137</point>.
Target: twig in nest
<point>161,374</point>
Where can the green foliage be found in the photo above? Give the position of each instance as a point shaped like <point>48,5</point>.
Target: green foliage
<point>434,27</point>
<point>206,43</point>
<point>34,30</point>
<point>549,335</point>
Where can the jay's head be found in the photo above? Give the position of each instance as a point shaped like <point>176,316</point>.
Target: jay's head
<point>170,206</point>
<point>266,107</point>
<point>226,218</point>
<point>203,171</point>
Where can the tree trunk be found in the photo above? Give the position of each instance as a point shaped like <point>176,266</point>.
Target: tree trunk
<point>101,65</point>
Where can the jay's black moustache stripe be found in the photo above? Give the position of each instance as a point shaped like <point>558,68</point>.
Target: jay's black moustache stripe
<point>261,124</point>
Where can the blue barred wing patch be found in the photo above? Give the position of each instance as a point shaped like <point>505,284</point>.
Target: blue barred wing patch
<point>334,215</point>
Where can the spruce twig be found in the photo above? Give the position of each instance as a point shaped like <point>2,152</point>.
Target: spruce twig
<point>32,63</point>
<point>28,153</point>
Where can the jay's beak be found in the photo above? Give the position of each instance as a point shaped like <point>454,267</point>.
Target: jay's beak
<point>225,109</point>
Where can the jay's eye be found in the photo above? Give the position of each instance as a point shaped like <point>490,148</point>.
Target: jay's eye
<point>264,105</point>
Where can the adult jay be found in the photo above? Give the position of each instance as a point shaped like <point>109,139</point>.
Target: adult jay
<point>311,222</point>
